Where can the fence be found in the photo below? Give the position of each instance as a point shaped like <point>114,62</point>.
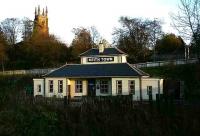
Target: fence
<point>138,65</point>
<point>31,72</point>
<point>163,63</point>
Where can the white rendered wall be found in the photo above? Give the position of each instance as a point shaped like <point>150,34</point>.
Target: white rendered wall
<point>55,88</point>
<point>37,82</point>
<point>73,93</point>
<point>125,90</point>
<point>157,85</point>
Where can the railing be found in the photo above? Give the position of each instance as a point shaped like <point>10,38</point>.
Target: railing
<point>163,63</point>
<point>31,72</point>
<point>138,65</point>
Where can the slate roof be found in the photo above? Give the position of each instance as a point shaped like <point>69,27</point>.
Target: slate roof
<point>97,70</point>
<point>107,51</point>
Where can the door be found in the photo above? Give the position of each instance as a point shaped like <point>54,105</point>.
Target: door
<point>91,87</point>
<point>150,95</point>
<point>149,92</point>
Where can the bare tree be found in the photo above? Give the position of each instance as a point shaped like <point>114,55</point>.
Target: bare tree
<point>187,19</point>
<point>27,28</point>
<point>3,56</point>
<point>155,31</point>
<point>135,36</point>
<point>11,29</point>
<point>95,35</point>
<point>82,41</point>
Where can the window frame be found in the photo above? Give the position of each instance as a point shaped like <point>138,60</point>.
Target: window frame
<point>50,86</point>
<point>60,86</point>
<point>148,89</point>
<point>104,86</point>
<point>119,90</point>
<point>78,86</point>
<point>130,89</point>
<point>39,88</point>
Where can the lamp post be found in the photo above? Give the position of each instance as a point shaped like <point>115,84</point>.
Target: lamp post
<point>187,52</point>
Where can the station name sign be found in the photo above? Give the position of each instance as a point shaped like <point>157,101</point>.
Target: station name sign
<point>100,59</point>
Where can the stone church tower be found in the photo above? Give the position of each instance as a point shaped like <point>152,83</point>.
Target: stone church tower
<point>41,23</point>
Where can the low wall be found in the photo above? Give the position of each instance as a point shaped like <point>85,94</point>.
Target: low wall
<point>31,72</point>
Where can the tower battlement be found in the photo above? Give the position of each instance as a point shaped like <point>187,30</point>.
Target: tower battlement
<point>41,22</point>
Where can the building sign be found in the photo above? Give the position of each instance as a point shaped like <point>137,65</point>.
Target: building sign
<point>100,59</point>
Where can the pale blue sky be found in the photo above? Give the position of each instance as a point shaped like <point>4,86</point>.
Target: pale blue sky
<point>64,15</point>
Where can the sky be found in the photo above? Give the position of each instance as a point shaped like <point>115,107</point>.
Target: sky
<point>64,15</point>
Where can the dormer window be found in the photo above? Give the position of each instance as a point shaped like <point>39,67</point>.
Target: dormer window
<point>103,55</point>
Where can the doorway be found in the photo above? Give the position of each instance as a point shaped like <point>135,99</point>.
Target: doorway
<point>150,95</point>
<point>149,92</point>
<point>91,87</point>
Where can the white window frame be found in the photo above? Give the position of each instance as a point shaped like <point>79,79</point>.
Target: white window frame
<point>104,86</point>
<point>118,88</point>
<point>50,86</point>
<point>60,86</point>
<point>78,86</point>
<point>149,88</point>
<point>39,88</point>
<point>131,86</point>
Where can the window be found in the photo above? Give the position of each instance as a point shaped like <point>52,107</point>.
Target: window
<point>131,86</point>
<point>38,88</point>
<point>60,86</point>
<point>104,86</point>
<point>149,90</point>
<point>119,86</point>
<point>51,86</point>
<point>78,86</point>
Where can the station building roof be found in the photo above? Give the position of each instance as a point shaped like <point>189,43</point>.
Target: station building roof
<point>107,51</point>
<point>97,70</point>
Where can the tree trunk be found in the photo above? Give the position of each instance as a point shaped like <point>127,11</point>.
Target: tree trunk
<point>2,65</point>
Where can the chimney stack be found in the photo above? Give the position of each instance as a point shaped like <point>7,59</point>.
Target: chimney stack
<point>101,47</point>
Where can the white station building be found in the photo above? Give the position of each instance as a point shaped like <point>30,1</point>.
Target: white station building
<point>102,72</point>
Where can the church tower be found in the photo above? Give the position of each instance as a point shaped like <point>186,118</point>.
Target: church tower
<point>41,22</point>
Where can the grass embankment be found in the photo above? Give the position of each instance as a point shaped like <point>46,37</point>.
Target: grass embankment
<point>189,73</point>
<point>21,116</point>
